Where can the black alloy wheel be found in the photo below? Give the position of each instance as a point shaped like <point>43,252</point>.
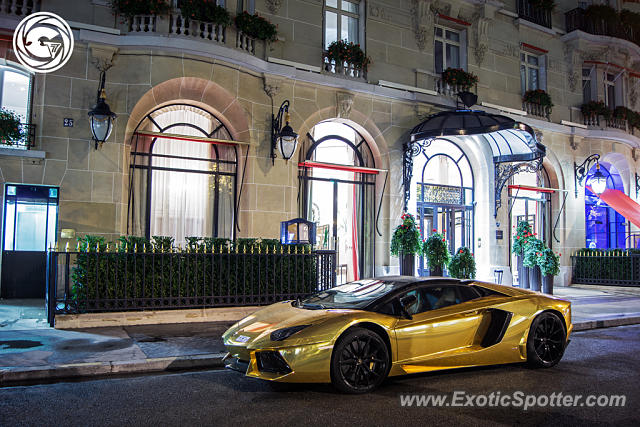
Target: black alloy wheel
<point>547,340</point>
<point>360,361</point>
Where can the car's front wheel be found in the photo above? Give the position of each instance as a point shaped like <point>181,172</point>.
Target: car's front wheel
<point>360,361</point>
<point>547,341</point>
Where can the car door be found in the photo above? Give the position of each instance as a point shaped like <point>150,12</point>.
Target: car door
<point>445,322</point>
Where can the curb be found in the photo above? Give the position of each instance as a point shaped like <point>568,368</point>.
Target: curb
<point>41,374</point>
<point>605,323</point>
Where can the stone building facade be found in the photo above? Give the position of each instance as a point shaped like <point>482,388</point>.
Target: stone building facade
<point>154,64</point>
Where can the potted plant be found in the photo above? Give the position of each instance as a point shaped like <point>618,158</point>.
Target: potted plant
<point>592,110</point>
<point>523,232</point>
<point>549,264</point>
<point>463,265</point>
<point>406,243</point>
<point>459,77</point>
<point>10,127</point>
<point>130,8</point>
<point>532,251</point>
<point>205,11</point>
<point>437,253</point>
<point>341,51</point>
<point>256,26</point>
<point>539,97</point>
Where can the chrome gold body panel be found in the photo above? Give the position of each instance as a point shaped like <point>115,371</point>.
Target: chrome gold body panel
<point>449,337</point>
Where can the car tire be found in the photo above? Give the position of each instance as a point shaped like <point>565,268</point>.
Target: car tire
<point>546,340</point>
<point>360,361</point>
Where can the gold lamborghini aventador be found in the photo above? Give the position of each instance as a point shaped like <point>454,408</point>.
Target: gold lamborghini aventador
<point>357,334</point>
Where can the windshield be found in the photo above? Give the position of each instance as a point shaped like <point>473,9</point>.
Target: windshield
<point>350,295</point>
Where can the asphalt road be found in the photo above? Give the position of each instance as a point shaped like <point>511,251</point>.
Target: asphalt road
<point>597,362</point>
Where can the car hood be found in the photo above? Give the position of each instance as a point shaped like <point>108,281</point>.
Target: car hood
<point>255,330</point>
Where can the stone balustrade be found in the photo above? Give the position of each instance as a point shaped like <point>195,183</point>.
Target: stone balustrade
<point>19,7</point>
<point>447,89</point>
<point>345,69</point>
<point>537,110</point>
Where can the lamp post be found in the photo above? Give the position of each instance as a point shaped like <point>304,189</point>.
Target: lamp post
<point>598,181</point>
<point>283,139</point>
<point>101,118</point>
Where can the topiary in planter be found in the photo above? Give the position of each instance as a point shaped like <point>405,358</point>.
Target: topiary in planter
<point>595,108</point>
<point>539,97</point>
<point>406,237</point>
<point>463,264</point>
<point>458,76</point>
<point>532,250</point>
<point>436,250</point>
<point>549,262</point>
<point>523,232</point>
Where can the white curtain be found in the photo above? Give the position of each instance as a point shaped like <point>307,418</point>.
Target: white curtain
<point>182,202</point>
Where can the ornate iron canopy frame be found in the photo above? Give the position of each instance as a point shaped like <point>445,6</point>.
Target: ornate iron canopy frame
<point>504,172</point>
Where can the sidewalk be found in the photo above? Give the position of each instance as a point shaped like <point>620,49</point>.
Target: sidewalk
<point>43,354</point>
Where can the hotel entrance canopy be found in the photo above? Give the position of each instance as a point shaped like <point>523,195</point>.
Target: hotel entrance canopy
<point>513,144</point>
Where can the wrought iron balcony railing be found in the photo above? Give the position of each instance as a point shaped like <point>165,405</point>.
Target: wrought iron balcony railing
<point>577,19</point>
<point>534,14</point>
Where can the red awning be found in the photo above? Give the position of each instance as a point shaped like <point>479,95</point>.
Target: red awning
<point>622,204</point>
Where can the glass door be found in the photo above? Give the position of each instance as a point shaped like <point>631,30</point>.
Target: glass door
<point>29,229</point>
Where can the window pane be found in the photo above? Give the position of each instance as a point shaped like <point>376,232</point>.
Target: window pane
<point>611,96</point>
<point>31,222</point>
<point>438,56</point>
<point>438,32</point>
<point>533,60</point>
<point>15,93</point>
<point>9,218</point>
<point>451,35</point>
<point>332,3</point>
<point>586,72</point>
<point>349,7</point>
<point>523,78</point>
<point>349,30</point>
<point>533,78</point>
<point>453,56</point>
<point>522,57</point>
<point>586,90</point>
<point>331,28</point>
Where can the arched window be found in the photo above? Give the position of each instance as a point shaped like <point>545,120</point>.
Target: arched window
<point>15,96</point>
<point>605,228</point>
<point>444,194</point>
<point>339,196</point>
<point>188,185</point>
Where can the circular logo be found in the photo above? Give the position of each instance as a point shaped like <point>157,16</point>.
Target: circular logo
<point>43,42</point>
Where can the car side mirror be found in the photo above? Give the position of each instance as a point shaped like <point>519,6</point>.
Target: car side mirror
<point>405,302</point>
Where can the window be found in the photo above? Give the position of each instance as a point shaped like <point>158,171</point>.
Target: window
<point>15,91</point>
<point>341,21</point>
<point>244,5</point>
<point>447,48</point>
<point>610,90</point>
<point>586,85</point>
<point>529,72</point>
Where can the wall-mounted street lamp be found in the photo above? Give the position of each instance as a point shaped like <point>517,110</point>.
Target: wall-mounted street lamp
<point>101,118</point>
<point>597,182</point>
<point>283,139</point>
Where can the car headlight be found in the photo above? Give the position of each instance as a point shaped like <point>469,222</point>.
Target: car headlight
<point>284,333</point>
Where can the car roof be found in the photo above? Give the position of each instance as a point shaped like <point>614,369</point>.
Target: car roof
<point>405,281</point>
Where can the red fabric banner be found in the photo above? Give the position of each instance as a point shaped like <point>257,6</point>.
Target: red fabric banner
<point>622,204</point>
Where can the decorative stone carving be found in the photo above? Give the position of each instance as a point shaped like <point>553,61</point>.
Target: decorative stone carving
<point>633,95</point>
<point>512,50</point>
<point>272,86</point>
<point>273,5</point>
<point>102,56</point>
<point>482,39</point>
<point>573,79</point>
<point>440,7</point>
<point>344,102</point>
<point>423,18</point>
<point>634,154</point>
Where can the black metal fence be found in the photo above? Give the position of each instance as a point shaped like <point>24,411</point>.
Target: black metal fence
<point>606,267</point>
<point>534,14</point>
<point>578,19</point>
<point>83,282</point>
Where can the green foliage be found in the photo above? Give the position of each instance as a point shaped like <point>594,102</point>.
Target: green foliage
<point>538,96</point>
<point>342,51</point>
<point>206,11</point>
<point>258,271</point>
<point>603,265</point>
<point>458,76</point>
<point>406,237</point>
<point>256,26</point>
<point>624,113</point>
<point>595,108</point>
<point>532,250</point>
<point>523,232</point>
<point>549,262</point>
<point>436,250</point>
<point>130,8</point>
<point>10,127</point>
<point>463,264</point>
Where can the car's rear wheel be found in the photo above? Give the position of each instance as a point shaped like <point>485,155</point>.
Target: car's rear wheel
<point>546,341</point>
<point>360,361</point>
